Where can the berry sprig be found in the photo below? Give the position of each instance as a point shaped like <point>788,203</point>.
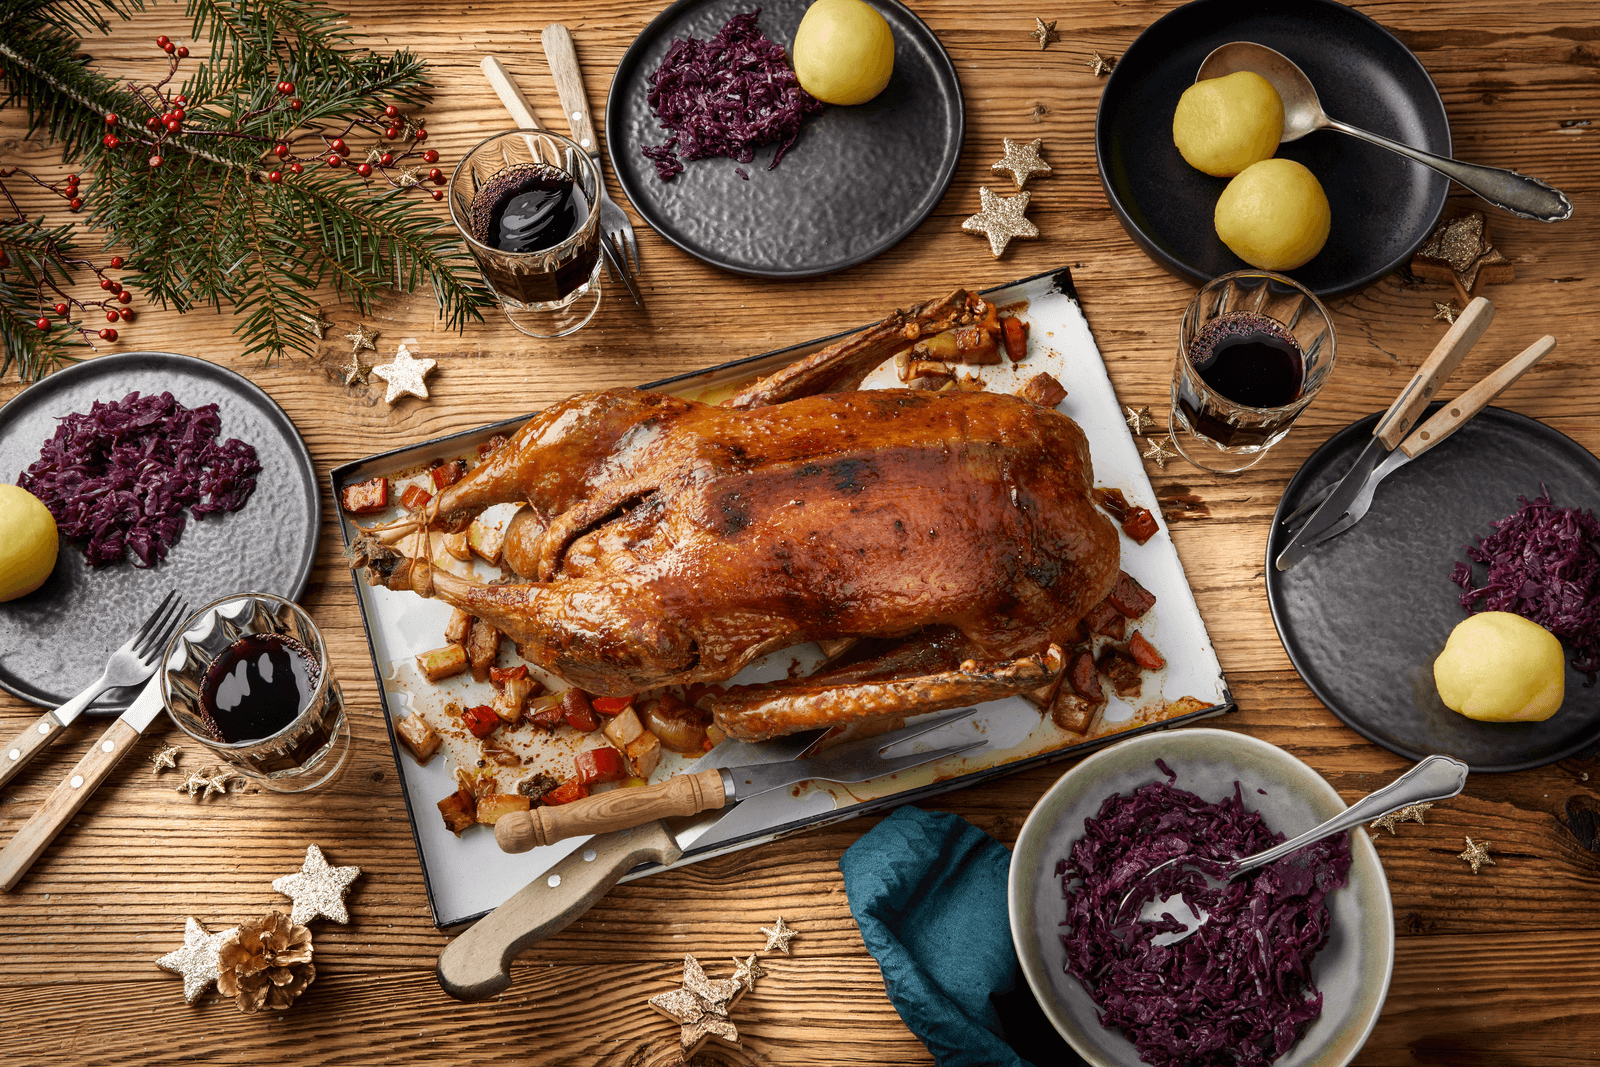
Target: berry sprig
<point>46,267</point>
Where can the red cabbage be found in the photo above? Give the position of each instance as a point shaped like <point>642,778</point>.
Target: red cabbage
<point>726,97</point>
<point>120,476</point>
<point>1544,564</point>
<point>1238,991</point>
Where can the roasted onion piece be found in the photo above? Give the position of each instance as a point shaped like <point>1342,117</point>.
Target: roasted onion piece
<point>681,727</point>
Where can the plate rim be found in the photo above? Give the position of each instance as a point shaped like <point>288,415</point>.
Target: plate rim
<point>1278,609</point>
<point>109,363</point>
<point>1177,267</point>
<point>614,100</point>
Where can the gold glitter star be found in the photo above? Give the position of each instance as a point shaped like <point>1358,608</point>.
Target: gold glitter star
<point>218,783</point>
<point>167,757</point>
<point>1459,252</point>
<point>1045,33</point>
<point>374,154</point>
<point>701,1007</point>
<point>746,971</point>
<point>317,326</point>
<point>1001,219</point>
<point>1157,453</point>
<point>408,177</point>
<point>356,372</point>
<point>405,375</point>
<point>1409,813</point>
<point>195,782</point>
<point>778,936</point>
<point>362,338</point>
<point>1476,854</point>
<point>1445,312</point>
<point>1102,65</point>
<point>318,890</point>
<point>1022,160</point>
<point>196,960</point>
<point>1140,421</point>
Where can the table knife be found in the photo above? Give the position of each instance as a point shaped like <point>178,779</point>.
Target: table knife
<point>1393,426</point>
<point>477,964</point>
<point>61,805</point>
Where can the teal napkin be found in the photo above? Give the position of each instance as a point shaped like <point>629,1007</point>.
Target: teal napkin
<point>929,893</point>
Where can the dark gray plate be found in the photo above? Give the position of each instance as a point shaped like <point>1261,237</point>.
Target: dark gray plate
<point>55,640</point>
<point>856,182</point>
<point>1384,206</point>
<point>1364,616</point>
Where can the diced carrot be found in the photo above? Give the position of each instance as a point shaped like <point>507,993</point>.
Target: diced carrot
<point>609,706</point>
<point>366,497</point>
<point>448,474</point>
<point>481,720</point>
<point>1129,597</point>
<point>1016,337</point>
<point>601,765</point>
<point>414,497</point>
<point>1140,524</point>
<point>567,792</point>
<point>1144,653</point>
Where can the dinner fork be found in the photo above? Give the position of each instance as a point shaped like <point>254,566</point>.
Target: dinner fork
<point>130,664</point>
<point>616,231</point>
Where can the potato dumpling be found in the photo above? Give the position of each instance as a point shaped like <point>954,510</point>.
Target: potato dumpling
<point>1274,215</point>
<point>1222,125</point>
<point>1500,667</point>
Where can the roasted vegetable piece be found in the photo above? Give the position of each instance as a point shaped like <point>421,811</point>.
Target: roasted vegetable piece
<point>422,739</point>
<point>513,696</point>
<point>481,720</point>
<point>578,711</point>
<point>487,539</point>
<point>458,627</point>
<point>441,663</point>
<point>1129,597</point>
<point>681,728</point>
<point>414,497</point>
<point>1100,619</point>
<point>644,752</point>
<point>366,497</point>
<point>601,765</point>
<point>1044,390</point>
<point>456,545</point>
<point>448,474</point>
<point>1071,712</point>
<point>498,676</point>
<point>1126,678</point>
<point>545,711</point>
<point>1115,504</point>
<point>567,792</point>
<point>483,645</point>
<point>1082,676</point>
<point>459,810</point>
<point>1144,653</point>
<point>536,787</point>
<point>623,728</point>
<point>491,807</point>
<point>610,705</point>
<point>1140,525</point>
<point>488,447</point>
<point>1015,332</point>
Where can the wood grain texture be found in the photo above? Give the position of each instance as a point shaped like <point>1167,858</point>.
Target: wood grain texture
<point>1497,968</point>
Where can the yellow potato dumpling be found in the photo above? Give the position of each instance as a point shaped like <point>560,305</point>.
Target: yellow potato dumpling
<point>28,542</point>
<point>1500,667</point>
<point>1274,215</point>
<point>843,52</point>
<point>1223,125</point>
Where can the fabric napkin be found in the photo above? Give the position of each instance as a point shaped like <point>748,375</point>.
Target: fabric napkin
<point>929,893</point>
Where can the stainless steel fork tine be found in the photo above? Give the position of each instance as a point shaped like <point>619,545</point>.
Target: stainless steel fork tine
<point>866,749</point>
<point>1304,511</point>
<point>171,614</point>
<point>917,759</point>
<point>154,615</point>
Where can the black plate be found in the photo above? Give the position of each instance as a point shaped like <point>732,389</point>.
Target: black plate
<point>1384,206</point>
<point>55,640</point>
<point>1364,616</point>
<point>855,184</point>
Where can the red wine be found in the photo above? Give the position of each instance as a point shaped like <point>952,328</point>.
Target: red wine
<point>526,208</point>
<point>1251,360</point>
<point>257,686</point>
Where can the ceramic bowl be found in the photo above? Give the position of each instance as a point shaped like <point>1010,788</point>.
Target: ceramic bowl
<point>1352,970</point>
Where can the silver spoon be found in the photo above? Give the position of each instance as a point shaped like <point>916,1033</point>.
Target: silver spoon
<point>1525,197</point>
<point>1435,778</point>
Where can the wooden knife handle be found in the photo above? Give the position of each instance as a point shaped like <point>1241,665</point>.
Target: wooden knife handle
<point>686,794</point>
<point>1435,370</point>
<point>563,60</point>
<point>477,965</point>
<point>1450,418</point>
<point>515,103</point>
<point>61,805</point>
<point>28,744</point>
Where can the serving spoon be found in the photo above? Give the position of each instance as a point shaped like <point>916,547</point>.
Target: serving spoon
<point>1435,778</point>
<point>1525,197</point>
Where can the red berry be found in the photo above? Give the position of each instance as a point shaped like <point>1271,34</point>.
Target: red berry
<point>183,53</point>
<point>294,105</point>
<point>105,283</point>
<point>116,287</point>
<point>438,194</point>
<point>108,334</point>
<point>179,114</point>
<point>180,99</point>
<point>436,176</point>
<point>364,169</point>
<point>116,262</point>
<point>169,48</point>
<point>62,309</point>
<point>286,88</point>
<point>126,315</point>
<point>385,159</point>
<point>110,140</point>
<point>281,150</point>
<point>151,123</point>
<point>75,203</point>
<point>173,125</point>
<point>392,132</point>
<point>295,168</point>
<point>111,118</point>
<point>155,161</point>
<point>72,179</point>
<point>274,177</point>
<point>162,41</point>
<point>125,297</point>
<point>421,135</point>
<point>111,316</point>
<point>430,156</point>
<point>43,324</point>
<point>5,260</point>
<point>334,161</point>
<point>391,111</point>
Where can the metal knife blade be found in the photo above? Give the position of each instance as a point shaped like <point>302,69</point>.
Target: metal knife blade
<point>616,261</point>
<point>1335,506</point>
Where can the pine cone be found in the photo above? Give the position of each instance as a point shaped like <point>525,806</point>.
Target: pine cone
<point>266,963</point>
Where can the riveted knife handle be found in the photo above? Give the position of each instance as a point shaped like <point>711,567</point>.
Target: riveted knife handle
<point>477,965</point>
<point>1445,358</point>
<point>563,60</point>
<point>1450,418</point>
<point>684,794</point>
<point>28,744</point>
<point>61,805</point>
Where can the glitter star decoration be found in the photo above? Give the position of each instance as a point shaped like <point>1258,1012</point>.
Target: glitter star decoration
<point>1140,421</point>
<point>317,327</point>
<point>405,375</point>
<point>1001,219</point>
<point>318,890</point>
<point>1158,453</point>
<point>355,372</point>
<point>165,759</point>
<point>194,781</point>
<point>1446,312</point>
<point>1101,65</point>
<point>1409,813</point>
<point>218,783</point>
<point>700,1007</point>
<point>409,177</point>
<point>746,971</point>
<point>1476,854</point>
<point>778,936</point>
<point>362,338</point>
<point>1022,160</point>
<point>1459,252</point>
<point>196,960</point>
<point>1045,33</point>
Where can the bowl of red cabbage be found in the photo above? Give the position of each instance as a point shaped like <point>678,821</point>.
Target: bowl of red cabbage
<point>1291,963</point>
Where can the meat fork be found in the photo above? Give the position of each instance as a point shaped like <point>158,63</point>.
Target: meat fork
<point>129,665</point>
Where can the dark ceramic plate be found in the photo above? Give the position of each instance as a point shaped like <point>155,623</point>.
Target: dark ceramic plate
<point>1364,616</point>
<point>856,182</point>
<point>1384,206</point>
<point>55,640</point>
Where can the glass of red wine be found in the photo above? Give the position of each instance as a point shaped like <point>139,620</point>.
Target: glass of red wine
<point>524,201</point>
<point>248,677</point>
<point>1254,349</point>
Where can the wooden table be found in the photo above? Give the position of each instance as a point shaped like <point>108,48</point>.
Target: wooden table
<point>1493,968</point>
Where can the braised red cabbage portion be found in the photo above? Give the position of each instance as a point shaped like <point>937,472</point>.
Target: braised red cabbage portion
<point>1544,564</point>
<point>119,476</point>
<point>1239,990</point>
<point>726,97</point>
